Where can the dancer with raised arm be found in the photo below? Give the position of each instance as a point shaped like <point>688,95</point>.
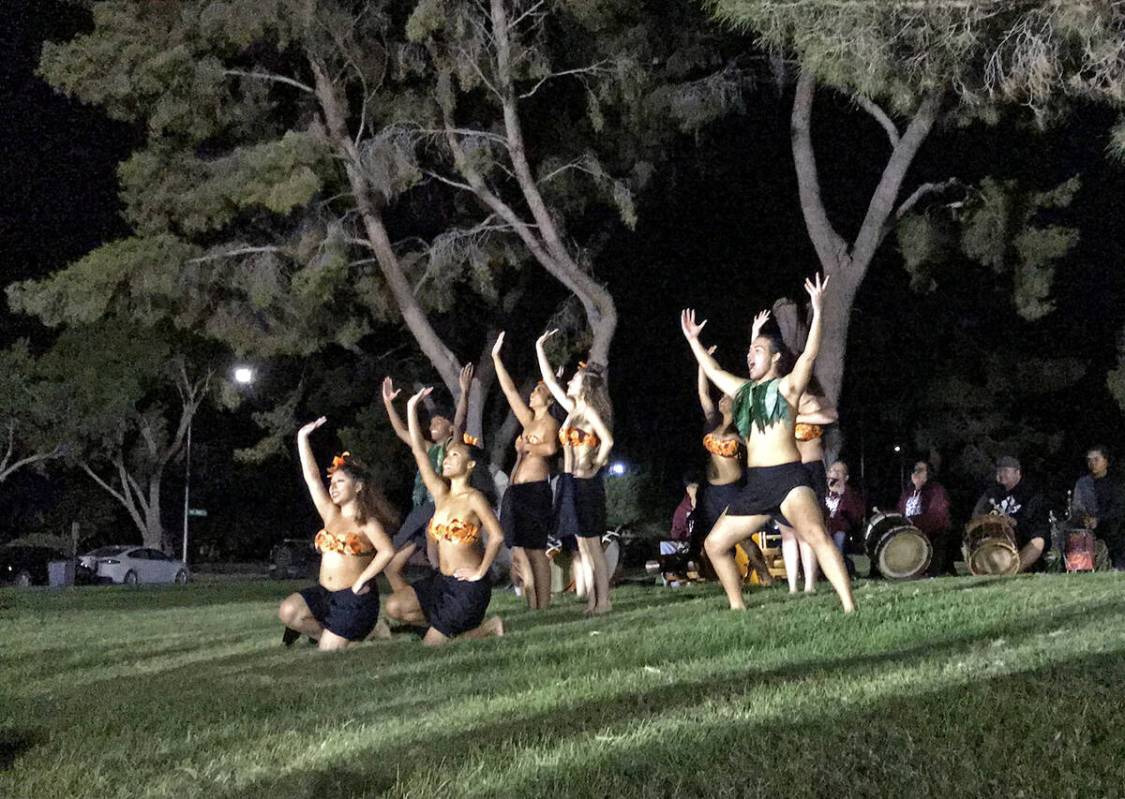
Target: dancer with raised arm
<point>726,455</point>
<point>527,510</point>
<point>777,484</point>
<point>344,605</point>
<point>586,443</point>
<point>814,412</point>
<point>452,601</point>
<point>411,536</point>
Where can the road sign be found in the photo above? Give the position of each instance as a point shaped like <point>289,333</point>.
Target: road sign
<point>200,512</point>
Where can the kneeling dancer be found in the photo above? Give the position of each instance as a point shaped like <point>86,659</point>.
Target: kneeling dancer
<point>452,601</point>
<point>344,606</point>
<point>777,485</point>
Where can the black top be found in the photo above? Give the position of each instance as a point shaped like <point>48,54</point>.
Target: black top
<point>1024,504</point>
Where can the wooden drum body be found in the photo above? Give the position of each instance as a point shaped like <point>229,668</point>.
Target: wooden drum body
<point>990,546</point>
<point>897,548</point>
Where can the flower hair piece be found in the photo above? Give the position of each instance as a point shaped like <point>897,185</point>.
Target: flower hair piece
<point>338,462</point>
<point>582,365</point>
<point>469,440</point>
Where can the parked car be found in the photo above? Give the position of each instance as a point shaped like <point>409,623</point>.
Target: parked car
<point>25,565</point>
<point>293,559</point>
<point>135,564</point>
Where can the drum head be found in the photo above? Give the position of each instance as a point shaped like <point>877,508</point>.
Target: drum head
<point>904,553</point>
<point>994,556</point>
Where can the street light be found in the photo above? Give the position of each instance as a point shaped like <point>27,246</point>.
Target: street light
<point>617,468</point>
<point>901,467</point>
<point>243,375</point>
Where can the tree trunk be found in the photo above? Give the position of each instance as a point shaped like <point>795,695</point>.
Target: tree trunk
<point>846,263</point>
<point>154,534</point>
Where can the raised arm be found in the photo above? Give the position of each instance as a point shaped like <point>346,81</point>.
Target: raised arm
<point>494,538</point>
<point>794,384</point>
<point>727,383</point>
<point>815,410</point>
<point>508,386</point>
<point>461,413</point>
<point>706,404</point>
<point>760,320</point>
<point>549,378</point>
<point>324,504</point>
<point>384,552</point>
<point>434,483</point>
<point>389,394</point>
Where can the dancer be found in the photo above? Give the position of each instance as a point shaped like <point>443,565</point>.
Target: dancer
<point>344,606</point>
<point>526,512</point>
<point>412,534</point>
<point>777,485</point>
<point>813,413</point>
<point>586,443</point>
<point>452,601</point>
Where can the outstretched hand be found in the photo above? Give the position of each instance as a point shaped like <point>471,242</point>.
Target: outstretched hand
<point>688,325</point>
<point>421,395</point>
<point>499,343</point>
<point>307,429</point>
<point>816,289</point>
<point>539,342</point>
<point>465,379</point>
<point>760,320</point>
<point>712,348</point>
<point>389,390</point>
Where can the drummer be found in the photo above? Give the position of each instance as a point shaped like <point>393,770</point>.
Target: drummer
<point>926,504</point>
<point>1014,497</point>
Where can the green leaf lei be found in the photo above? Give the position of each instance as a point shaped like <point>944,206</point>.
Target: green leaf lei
<point>760,404</point>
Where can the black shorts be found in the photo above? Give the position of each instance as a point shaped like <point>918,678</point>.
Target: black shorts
<point>526,514</point>
<point>767,487</point>
<point>819,477</point>
<point>580,506</point>
<point>345,613</point>
<point>453,606</point>
<point>712,502</point>
<point>413,529</point>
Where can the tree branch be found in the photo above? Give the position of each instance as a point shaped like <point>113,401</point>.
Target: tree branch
<point>269,76</point>
<point>922,191</point>
<point>831,249</point>
<point>236,253</point>
<point>880,116</point>
<point>592,68</point>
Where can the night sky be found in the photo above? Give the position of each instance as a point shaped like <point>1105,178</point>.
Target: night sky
<point>720,230</point>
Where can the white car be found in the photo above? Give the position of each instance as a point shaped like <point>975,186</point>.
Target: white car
<point>135,564</point>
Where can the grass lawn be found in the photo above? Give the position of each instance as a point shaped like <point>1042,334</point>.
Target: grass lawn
<point>948,688</point>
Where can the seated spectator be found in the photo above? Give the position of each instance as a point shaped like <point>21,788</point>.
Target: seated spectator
<point>1099,505</point>
<point>843,507</point>
<point>1014,497</point>
<point>683,518</point>
<point>926,505</point>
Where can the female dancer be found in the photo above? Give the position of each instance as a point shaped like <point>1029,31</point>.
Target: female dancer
<point>344,606</point>
<point>586,444</point>
<point>452,601</point>
<point>527,510</point>
<point>777,485</point>
<point>724,471</point>
<point>412,535</point>
<point>813,413</point>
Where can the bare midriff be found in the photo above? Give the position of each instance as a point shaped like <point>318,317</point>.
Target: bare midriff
<point>531,468</point>
<point>773,446</point>
<point>723,470</point>
<point>338,571</point>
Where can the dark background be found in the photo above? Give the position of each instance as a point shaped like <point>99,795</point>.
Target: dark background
<point>720,230</point>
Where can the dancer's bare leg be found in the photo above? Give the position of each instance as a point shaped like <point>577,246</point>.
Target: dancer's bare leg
<point>522,566</point>
<point>541,571</point>
<point>719,544</point>
<point>395,567</point>
<point>800,508</point>
<point>809,564</point>
<point>580,572</point>
<point>597,572</point>
<point>295,614</point>
<point>330,642</point>
<point>493,627</point>
<point>403,606</point>
<point>791,554</point>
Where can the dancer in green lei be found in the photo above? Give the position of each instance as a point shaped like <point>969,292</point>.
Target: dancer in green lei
<point>777,485</point>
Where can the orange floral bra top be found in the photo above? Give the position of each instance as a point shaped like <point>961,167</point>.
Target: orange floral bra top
<point>455,530</point>
<point>807,432</point>
<point>730,448</point>
<point>343,543</point>
<point>574,437</point>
